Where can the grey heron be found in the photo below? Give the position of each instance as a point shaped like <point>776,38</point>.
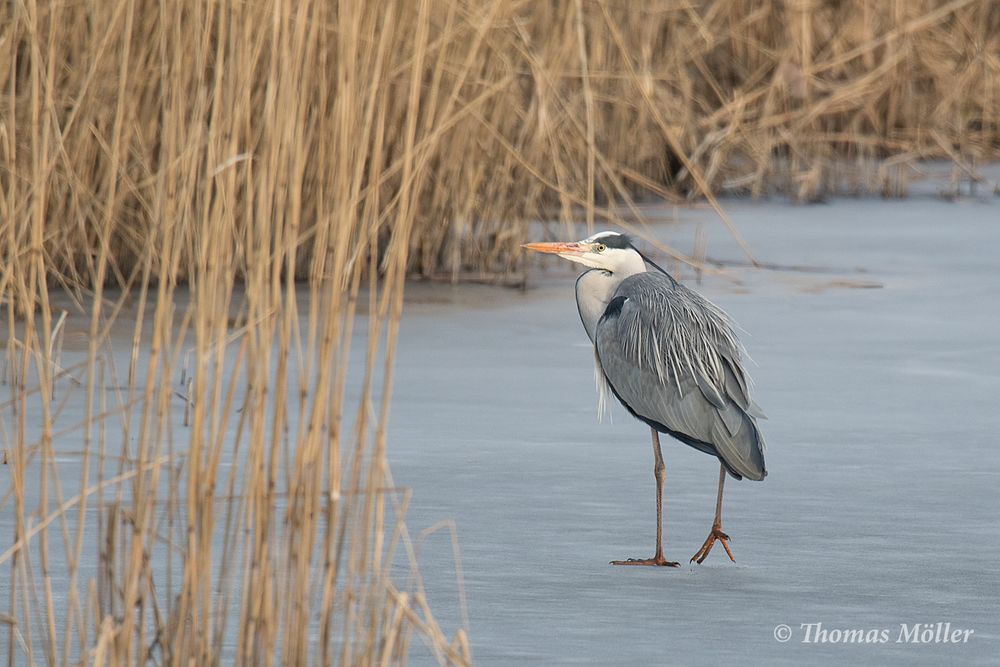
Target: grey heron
<point>673,359</point>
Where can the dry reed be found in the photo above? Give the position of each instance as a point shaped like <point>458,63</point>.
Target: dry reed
<point>145,145</point>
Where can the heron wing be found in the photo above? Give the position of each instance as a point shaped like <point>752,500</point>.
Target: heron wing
<point>673,359</point>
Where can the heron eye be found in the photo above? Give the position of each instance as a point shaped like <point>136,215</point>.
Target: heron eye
<point>601,247</point>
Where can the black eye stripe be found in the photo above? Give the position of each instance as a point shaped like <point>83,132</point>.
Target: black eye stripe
<point>617,241</point>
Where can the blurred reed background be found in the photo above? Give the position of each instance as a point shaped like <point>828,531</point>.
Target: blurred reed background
<point>187,168</point>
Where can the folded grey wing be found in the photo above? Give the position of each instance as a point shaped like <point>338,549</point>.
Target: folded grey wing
<point>672,359</point>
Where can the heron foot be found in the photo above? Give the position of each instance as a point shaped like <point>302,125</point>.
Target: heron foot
<point>715,535</point>
<point>655,560</point>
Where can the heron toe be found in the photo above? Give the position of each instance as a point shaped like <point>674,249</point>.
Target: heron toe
<point>706,548</point>
<point>656,561</point>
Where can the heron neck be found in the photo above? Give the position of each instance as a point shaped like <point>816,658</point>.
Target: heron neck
<point>596,288</point>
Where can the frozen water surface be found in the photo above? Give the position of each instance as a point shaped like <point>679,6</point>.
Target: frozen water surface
<point>878,362</point>
<point>879,371</point>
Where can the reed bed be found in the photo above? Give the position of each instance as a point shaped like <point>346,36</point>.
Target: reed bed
<point>243,187</point>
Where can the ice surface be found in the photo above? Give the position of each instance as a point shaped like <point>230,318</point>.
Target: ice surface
<point>880,507</point>
<point>879,367</point>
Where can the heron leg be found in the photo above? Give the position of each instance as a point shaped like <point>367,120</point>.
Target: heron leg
<point>716,534</point>
<point>660,472</point>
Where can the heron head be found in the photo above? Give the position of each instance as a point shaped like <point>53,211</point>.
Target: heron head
<point>609,251</point>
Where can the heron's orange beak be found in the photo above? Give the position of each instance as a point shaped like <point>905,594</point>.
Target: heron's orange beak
<point>555,248</point>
